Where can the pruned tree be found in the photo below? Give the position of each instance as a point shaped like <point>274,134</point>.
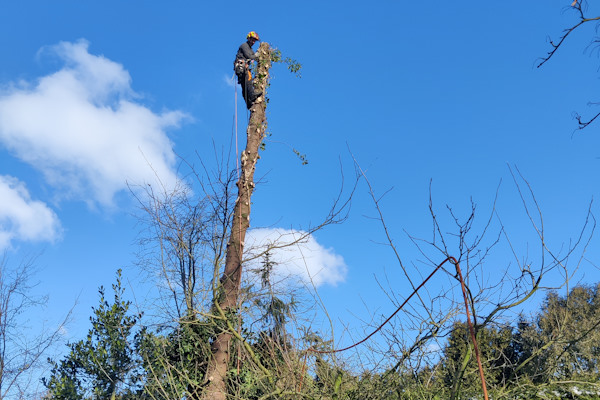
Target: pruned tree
<point>209,339</point>
<point>226,290</point>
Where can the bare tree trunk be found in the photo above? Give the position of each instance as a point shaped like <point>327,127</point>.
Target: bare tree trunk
<point>226,297</point>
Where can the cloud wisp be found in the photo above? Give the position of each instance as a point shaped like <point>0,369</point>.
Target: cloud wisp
<point>22,218</point>
<point>306,260</point>
<point>84,130</point>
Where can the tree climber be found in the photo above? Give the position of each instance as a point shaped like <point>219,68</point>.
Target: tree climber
<point>241,66</point>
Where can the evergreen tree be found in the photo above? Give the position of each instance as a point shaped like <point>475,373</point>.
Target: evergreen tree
<point>105,364</point>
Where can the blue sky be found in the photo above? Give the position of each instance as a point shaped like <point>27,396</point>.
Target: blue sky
<point>445,93</point>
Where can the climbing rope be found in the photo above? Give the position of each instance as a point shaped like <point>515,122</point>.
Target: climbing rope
<point>235,117</point>
<point>471,328</point>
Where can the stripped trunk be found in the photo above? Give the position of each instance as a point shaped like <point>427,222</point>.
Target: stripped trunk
<point>227,295</point>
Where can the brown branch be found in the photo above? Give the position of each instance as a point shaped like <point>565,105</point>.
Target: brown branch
<point>582,20</point>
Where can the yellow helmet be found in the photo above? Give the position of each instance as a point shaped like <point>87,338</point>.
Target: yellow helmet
<point>252,35</point>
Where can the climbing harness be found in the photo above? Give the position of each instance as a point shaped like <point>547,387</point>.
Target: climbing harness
<point>239,66</point>
<point>242,70</point>
<point>235,119</point>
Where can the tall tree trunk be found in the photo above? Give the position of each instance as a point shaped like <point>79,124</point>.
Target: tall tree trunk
<point>228,293</point>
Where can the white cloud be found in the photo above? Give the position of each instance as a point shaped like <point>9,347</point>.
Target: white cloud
<point>82,128</point>
<point>307,260</point>
<point>22,218</point>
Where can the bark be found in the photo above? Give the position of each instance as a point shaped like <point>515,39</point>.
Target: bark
<point>227,295</point>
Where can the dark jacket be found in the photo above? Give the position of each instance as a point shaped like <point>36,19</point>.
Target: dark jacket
<point>245,52</point>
